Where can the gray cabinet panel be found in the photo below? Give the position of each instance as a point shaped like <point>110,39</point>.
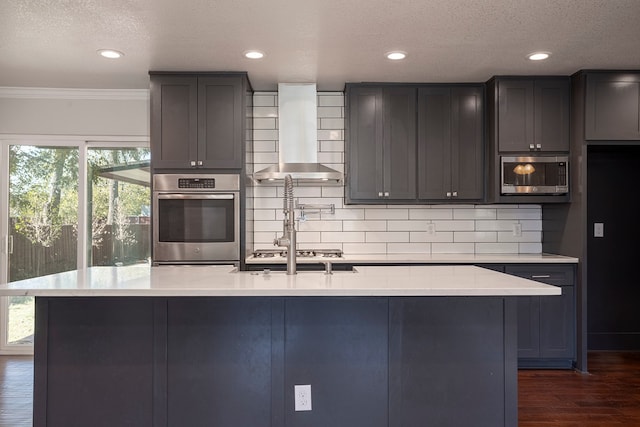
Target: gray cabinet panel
<point>219,362</point>
<point>533,114</point>
<point>431,338</point>
<point>450,143</point>
<point>546,325</point>
<point>197,120</point>
<point>339,346</point>
<point>381,144</point>
<point>174,137</point>
<point>364,149</point>
<point>220,116</point>
<point>612,110</point>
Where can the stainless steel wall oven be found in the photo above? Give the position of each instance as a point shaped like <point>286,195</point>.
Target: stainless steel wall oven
<point>196,219</point>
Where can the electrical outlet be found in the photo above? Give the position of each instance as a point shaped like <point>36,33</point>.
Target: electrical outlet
<point>517,229</point>
<point>431,229</point>
<point>302,397</point>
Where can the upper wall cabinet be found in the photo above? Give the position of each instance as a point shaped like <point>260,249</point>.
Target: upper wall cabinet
<point>533,114</point>
<point>381,147</point>
<point>450,143</point>
<point>198,120</point>
<point>612,107</point>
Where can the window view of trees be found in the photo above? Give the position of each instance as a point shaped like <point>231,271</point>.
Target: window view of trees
<point>43,216</point>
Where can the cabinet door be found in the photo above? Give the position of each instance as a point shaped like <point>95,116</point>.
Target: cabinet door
<point>515,115</point>
<point>467,148</point>
<point>557,325</point>
<point>174,139</point>
<point>434,143</point>
<point>399,143</point>
<point>612,107</point>
<point>364,145</point>
<point>552,114</point>
<point>220,122</point>
<point>528,327</point>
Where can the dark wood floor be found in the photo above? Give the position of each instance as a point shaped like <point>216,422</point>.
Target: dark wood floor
<point>608,396</point>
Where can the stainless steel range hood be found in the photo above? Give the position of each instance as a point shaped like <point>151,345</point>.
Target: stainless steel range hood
<point>298,139</point>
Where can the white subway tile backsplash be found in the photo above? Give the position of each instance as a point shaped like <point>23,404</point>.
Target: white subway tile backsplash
<point>530,248</point>
<point>364,248</point>
<point>430,214</point>
<point>496,248</point>
<point>423,236</point>
<point>364,225</point>
<point>452,248</point>
<point>344,236</point>
<point>375,213</point>
<point>337,146</point>
<point>475,236</point>
<point>409,248</point>
<point>387,236</point>
<point>265,134</point>
<point>379,229</point>
<point>478,213</point>
<point>526,213</point>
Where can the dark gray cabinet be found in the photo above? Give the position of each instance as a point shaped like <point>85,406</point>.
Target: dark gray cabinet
<point>198,120</point>
<point>533,114</point>
<point>612,106</point>
<point>381,143</point>
<point>450,143</point>
<point>546,324</point>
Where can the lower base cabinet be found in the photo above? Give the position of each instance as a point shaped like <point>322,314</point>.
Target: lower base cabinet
<point>218,361</point>
<point>546,324</point>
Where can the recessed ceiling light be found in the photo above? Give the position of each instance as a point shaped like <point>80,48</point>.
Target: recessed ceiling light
<point>254,54</point>
<point>538,56</point>
<point>110,53</point>
<point>396,55</point>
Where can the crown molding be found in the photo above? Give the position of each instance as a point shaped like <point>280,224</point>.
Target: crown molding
<point>69,93</point>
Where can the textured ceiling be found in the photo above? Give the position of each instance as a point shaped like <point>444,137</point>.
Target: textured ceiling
<point>53,43</point>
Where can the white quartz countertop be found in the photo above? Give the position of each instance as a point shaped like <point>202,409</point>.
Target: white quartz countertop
<point>449,280</point>
<point>427,259</point>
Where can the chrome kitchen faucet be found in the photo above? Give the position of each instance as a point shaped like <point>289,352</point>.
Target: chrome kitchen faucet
<point>288,238</point>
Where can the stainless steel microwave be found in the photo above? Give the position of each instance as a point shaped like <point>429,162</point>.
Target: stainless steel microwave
<point>547,175</point>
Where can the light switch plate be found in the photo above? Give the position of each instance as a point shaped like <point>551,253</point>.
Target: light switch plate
<point>302,397</point>
<point>598,229</point>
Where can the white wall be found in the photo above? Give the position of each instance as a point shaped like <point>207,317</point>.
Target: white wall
<point>85,112</point>
<point>379,229</point>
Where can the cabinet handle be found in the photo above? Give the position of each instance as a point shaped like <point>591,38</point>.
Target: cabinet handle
<point>193,163</point>
<point>448,193</point>
<point>386,194</point>
<point>380,194</point>
<point>540,276</point>
<point>539,146</point>
<point>199,162</point>
<point>455,194</point>
<point>531,147</point>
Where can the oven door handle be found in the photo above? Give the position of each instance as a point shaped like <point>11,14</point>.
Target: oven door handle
<point>196,196</point>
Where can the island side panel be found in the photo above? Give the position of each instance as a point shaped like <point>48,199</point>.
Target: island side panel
<point>338,346</point>
<point>448,362</point>
<point>97,367</point>
<point>219,363</point>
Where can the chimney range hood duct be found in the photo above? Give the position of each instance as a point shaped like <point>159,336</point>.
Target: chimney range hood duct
<point>298,139</point>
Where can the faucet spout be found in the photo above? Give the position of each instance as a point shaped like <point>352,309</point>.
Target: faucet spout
<point>288,238</point>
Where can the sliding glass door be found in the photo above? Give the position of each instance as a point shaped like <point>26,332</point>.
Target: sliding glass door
<point>65,206</point>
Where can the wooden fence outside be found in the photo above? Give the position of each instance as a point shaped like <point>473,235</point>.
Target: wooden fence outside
<point>30,259</point>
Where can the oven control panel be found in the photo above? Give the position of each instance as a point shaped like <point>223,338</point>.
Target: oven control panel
<point>196,183</point>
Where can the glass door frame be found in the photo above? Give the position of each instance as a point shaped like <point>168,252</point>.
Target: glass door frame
<point>83,144</point>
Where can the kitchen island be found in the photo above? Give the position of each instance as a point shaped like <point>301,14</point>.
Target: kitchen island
<point>196,346</point>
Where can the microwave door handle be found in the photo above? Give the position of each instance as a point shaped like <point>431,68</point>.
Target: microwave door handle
<point>197,196</point>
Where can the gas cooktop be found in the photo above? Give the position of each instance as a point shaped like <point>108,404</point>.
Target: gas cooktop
<point>300,253</point>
